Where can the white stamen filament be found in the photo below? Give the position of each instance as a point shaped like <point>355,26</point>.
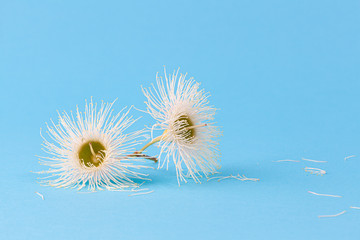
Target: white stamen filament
<point>325,195</point>
<point>140,193</point>
<point>335,215</point>
<point>346,158</point>
<point>196,126</point>
<point>286,160</point>
<point>311,160</point>
<point>238,177</point>
<point>355,207</point>
<point>42,196</point>
<point>316,171</point>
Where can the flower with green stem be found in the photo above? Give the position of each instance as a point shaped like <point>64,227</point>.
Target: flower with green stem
<point>90,150</point>
<point>189,138</point>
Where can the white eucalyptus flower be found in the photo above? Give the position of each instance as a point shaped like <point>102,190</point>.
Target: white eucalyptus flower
<point>92,151</point>
<point>189,139</point>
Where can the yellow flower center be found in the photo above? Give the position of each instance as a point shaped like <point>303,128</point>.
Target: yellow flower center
<point>185,122</point>
<point>92,153</point>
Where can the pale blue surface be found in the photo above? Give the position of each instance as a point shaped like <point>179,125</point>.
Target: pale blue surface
<point>285,75</point>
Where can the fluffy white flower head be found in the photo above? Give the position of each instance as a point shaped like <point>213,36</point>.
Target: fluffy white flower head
<point>190,139</point>
<point>90,150</point>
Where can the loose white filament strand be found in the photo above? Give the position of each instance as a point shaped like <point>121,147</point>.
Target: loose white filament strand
<point>329,216</point>
<point>325,195</point>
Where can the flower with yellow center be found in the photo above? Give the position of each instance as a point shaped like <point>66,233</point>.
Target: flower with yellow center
<point>189,137</point>
<point>90,150</point>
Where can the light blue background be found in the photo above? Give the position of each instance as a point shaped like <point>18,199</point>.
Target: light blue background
<point>284,74</point>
